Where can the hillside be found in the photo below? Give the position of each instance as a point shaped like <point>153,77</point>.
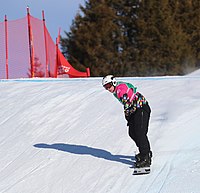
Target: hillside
<point>70,136</point>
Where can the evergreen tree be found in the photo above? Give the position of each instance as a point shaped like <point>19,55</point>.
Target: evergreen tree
<point>38,70</point>
<point>93,40</point>
<point>161,41</point>
<point>135,37</point>
<point>126,12</point>
<point>188,16</point>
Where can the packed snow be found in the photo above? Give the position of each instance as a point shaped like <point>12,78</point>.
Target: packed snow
<point>70,136</point>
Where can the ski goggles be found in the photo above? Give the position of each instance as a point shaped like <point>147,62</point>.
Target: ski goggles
<point>107,86</point>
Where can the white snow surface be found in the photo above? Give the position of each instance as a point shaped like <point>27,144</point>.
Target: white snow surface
<point>70,136</point>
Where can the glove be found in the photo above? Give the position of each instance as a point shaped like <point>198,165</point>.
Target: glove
<point>127,119</point>
<point>127,124</point>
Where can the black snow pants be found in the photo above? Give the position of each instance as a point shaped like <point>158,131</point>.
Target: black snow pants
<point>138,123</point>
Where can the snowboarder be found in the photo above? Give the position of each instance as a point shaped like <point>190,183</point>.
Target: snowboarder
<point>137,113</point>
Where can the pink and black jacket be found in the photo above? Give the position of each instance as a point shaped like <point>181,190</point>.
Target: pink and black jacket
<point>127,94</point>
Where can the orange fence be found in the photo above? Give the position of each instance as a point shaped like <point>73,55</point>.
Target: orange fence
<point>27,50</point>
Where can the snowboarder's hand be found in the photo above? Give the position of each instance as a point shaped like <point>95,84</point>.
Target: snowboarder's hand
<point>127,119</point>
<point>127,124</point>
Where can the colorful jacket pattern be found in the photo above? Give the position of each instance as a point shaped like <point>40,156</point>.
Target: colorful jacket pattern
<point>127,94</point>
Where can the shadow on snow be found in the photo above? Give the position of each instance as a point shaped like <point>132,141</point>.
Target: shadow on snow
<point>85,150</point>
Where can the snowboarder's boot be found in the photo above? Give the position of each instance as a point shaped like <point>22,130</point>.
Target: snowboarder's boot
<point>138,156</point>
<point>143,161</point>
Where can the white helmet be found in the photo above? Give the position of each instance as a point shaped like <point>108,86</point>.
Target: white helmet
<point>109,79</point>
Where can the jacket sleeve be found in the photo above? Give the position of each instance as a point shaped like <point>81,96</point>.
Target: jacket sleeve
<point>123,91</point>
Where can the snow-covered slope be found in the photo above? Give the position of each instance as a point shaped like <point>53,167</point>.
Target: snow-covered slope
<point>70,136</point>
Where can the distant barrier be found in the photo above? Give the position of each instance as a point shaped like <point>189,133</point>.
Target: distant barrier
<point>99,79</point>
<point>27,50</point>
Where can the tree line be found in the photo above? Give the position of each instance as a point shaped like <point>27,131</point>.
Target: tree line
<point>135,37</point>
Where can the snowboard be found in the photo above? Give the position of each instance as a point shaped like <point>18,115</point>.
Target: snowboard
<point>140,171</point>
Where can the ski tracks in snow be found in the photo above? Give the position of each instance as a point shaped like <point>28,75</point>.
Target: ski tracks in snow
<point>160,171</point>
